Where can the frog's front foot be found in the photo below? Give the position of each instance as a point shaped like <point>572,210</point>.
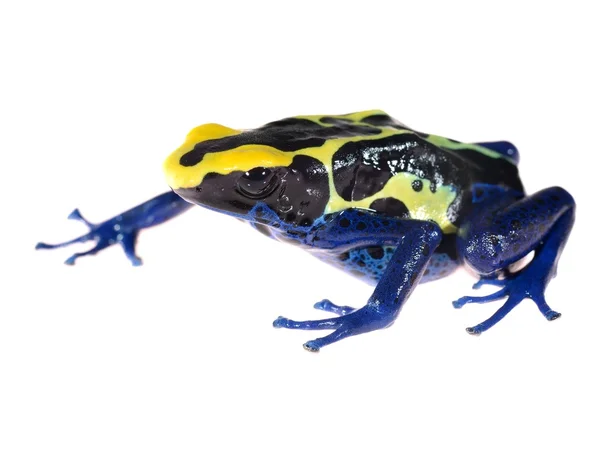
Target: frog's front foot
<point>350,322</point>
<point>105,234</point>
<point>529,283</point>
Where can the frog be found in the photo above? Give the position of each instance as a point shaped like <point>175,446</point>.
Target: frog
<point>365,193</point>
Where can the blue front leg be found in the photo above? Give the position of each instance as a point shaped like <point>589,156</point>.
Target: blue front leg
<point>503,229</point>
<point>123,229</point>
<point>415,241</point>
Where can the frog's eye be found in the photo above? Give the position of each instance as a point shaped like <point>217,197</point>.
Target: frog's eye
<point>258,182</point>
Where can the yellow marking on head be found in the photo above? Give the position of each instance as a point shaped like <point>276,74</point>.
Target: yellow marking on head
<point>210,131</point>
<point>181,176</point>
<point>246,157</point>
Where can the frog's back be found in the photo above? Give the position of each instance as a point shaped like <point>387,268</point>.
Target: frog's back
<point>378,163</point>
<point>371,161</point>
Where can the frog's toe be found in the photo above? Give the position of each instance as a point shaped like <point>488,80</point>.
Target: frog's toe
<point>282,322</point>
<point>110,232</point>
<point>525,285</point>
<point>311,346</point>
<point>483,299</point>
<point>279,322</point>
<point>76,215</point>
<point>330,307</point>
<point>345,330</point>
<point>363,320</point>
<point>473,331</point>
<point>490,281</point>
<point>101,245</point>
<point>511,302</point>
<point>136,261</point>
<point>128,241</point>
<point>83,238</point>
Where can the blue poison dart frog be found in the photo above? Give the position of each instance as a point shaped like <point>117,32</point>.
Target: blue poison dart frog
<point>365,193</point>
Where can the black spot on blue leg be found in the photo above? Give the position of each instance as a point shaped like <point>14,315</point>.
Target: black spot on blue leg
<point>375,252</point>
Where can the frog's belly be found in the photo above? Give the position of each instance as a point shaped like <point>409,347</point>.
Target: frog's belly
<point>369,263</point>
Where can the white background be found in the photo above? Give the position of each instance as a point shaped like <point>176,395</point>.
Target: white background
<point>180,353</point>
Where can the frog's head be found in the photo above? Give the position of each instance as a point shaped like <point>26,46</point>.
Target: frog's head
<point>232,171</point>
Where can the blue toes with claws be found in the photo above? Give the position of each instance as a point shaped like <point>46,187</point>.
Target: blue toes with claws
<point>124,228</point>
<point>526,284</point>
<point>350,322</point>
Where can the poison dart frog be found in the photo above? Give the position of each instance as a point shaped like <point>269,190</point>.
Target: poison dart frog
<point>365,193</point>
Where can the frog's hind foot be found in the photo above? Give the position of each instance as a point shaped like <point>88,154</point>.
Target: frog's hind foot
<point>483,299</point>
<point>522,286</point>
<point>493,281</point>
<point>498,239</point>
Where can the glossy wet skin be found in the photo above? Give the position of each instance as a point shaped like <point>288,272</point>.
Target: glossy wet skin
<point>382,202</point>
<point>301,170</point>
<point>298,193</point>
<point>366,156</point>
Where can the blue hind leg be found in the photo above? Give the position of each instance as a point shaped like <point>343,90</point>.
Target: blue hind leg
<point>124,228</point>
<point>505,230</point>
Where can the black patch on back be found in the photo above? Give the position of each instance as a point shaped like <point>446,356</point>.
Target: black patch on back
<point>286,135</point>
<point>497,171</point>
<point>361,169</point>
<point>390,207</point>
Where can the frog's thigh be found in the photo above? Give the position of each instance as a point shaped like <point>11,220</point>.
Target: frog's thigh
<point>491,241</point>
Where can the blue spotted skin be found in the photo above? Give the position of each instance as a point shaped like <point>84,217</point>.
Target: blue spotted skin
<point>497,223</point>
<point>505,228</point>
<point>361,263</point>
<point>415,243</point>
